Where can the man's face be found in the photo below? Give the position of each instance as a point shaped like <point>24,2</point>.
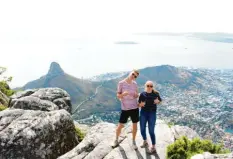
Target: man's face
<point>133,75</point>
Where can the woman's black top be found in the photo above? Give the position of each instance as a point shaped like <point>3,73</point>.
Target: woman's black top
<point>149,98</point>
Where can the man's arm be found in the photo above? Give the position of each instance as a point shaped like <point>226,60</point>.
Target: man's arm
<point>119,95</point>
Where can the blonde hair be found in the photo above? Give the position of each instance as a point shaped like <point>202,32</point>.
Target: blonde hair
<point>153,90</point>
<point>136,71</point>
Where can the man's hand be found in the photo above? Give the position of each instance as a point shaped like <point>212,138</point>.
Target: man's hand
<point>121,95</point>
<point>156,101</point>
<point>125,93</point>
<point>135,95</point>
<point>142,104</point>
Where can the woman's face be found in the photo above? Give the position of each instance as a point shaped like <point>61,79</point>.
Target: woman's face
<point>149,86</point>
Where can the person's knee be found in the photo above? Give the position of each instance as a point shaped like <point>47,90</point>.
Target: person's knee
<point>120,126</point>
<point>152,133</point>
<point>135,126</point>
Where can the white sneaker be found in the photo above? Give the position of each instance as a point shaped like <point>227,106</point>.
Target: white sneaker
<point>115,143</point>
<point>134,145</point>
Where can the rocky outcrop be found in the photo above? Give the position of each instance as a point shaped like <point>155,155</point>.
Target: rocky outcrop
<point>35,134</point>
<point>180,131</point>
<point>208,155</point>
<point>45,99</point>
<point>4,100</point>
<point>97,143</point>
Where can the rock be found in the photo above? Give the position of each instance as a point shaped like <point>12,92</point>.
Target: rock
<point>199,156</point>
<point>45,99</point>
<point>84,128</point>
<point>3,99</point>
<point>180,131</point>
<point>97,143</point>
<point>208,155</point>
<point>34,103</point>
<point>92,144</point>
<point>21,94</point>
<point>35,134</point>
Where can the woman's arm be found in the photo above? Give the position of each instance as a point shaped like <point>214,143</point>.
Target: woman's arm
<point>158,99</point>
<point>141,101</point>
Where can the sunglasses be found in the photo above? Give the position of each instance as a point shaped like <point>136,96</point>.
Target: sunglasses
<point>135,76</point>
<point>149,86</point>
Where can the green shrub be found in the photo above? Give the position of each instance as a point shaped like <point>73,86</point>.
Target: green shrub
<point>80,134</point>
<point>4,88</point>
<point>2,107</point>
<point>184,148</point>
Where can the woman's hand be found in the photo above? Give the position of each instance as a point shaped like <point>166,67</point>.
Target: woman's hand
<point>142,104</point>
<point>156,101</point>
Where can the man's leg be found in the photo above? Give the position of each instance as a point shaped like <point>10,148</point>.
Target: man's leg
<point>135,128</point>
<point>123,119</point>
<point>134,114</point>
<point>118,130</point>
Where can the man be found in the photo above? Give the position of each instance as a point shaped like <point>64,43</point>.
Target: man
<point>127,93</point>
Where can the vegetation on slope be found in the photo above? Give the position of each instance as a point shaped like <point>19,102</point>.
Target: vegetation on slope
<point>184,148</point>
<point>80,134</point>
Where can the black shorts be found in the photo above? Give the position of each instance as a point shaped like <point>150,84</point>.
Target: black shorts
<point>133,114</point>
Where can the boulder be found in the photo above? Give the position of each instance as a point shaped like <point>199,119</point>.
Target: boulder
<point>45,99</point>
<point>36,134</point>
<point>208,155</point>
<point>180,131</point>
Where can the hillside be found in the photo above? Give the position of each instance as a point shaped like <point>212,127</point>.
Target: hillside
<point>164,76</point>
<point>78,89</point>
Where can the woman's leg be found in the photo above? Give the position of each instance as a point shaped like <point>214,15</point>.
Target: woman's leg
<point>143,121</point>
<point>151,125</point>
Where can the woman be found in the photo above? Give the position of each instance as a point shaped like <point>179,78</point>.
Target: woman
<point>148,101</point>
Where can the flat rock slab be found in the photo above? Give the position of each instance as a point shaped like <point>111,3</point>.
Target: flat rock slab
<point>97,143</point>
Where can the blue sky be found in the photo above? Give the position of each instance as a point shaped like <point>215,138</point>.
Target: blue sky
<point>80,35</point>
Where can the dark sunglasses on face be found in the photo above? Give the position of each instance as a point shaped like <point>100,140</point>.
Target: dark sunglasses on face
<point>134,75</point>
<point>149,86</point>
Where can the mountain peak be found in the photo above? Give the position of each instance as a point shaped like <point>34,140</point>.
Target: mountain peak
<point>55,69</point>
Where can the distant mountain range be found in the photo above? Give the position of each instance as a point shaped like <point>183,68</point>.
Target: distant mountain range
<point>78,89</point>
<point>214,37</point>
<point>107,76</point>
<point>98,95</point>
